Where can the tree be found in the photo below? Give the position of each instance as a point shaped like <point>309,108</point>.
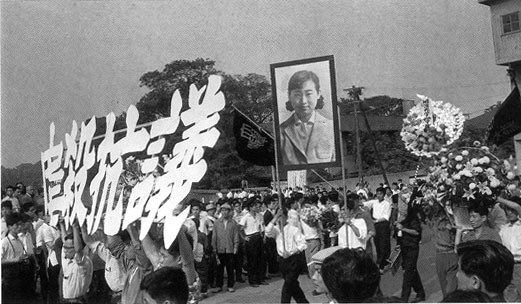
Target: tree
<point>250,93</point>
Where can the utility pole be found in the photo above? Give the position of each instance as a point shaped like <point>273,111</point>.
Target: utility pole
<point>354,95</point>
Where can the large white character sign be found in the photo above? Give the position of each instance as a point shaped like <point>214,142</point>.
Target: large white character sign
<point>154,198</point>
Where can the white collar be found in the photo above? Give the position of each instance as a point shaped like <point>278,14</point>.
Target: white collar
<point>311,119</point>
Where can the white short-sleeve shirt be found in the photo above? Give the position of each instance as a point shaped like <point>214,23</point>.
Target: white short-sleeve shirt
<point>77,276</point>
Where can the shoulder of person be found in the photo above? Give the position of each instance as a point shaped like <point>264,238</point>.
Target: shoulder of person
<point>288,122</point>
<point>321,118</point>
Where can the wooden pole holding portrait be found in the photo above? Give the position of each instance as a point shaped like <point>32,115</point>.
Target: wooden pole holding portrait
<point>277,175</point>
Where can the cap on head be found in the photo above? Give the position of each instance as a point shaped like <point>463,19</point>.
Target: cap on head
<point>319,257</point>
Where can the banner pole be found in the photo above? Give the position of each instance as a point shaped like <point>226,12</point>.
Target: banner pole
<point>279,188</point>
<point>343,169</point>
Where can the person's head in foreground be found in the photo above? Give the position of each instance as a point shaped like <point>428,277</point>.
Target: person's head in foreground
<point>466,296</point>
<point>350,275</point>
<point>164,286</point>
<point>317,260</point>
<point>486,266</point>
<point>304,94</point>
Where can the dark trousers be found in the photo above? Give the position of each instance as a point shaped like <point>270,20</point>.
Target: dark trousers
<point>99,290</point>
<point>254,256</point>
<point>239,260</point>
<point>227,260</point>
<point>411,277</point>
<point>212,270</point>
<point>13,285</point>
<point>53,273</point>
<point>446,269</point>
<point>271,256</point>
<point>42,274</point>
<point>202,271</point>
<point>382,242</point>
<point>290,268</point>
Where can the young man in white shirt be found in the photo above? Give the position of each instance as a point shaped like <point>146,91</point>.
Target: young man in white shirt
<point>353,233</point>
<point>252,226</point>
<point>77,267</point>
<point>381,212</point>
<point>48,241</point>
<point>14,262</point>
<point>290,244</point>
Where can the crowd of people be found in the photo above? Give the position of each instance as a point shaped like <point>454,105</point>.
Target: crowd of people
<point>341,241</point>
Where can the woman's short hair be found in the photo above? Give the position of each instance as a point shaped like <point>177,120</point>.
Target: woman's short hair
<point>297,80</point>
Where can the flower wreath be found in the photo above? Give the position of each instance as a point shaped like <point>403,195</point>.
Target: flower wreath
<point>431,126</point>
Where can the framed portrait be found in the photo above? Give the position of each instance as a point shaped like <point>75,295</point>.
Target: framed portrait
<point>305,112</point>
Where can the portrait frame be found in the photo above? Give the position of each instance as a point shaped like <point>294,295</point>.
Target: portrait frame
<point>322,147</point>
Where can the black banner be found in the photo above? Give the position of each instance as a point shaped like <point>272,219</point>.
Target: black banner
<point>253,144</point>
<point>507,120</point>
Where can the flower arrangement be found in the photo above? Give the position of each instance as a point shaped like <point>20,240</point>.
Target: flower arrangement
<point>470,174</point>
<point>330,220</point>
<point>311,216</point>
<point>431,126</point>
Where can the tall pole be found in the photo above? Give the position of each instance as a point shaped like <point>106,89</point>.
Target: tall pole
<point>354,95</point>
<point>358,143</point>
<point>342,157</point>
<point>280,191</point>
<point>378,158</point>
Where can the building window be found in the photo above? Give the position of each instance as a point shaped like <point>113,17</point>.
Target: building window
<point>510,23</point>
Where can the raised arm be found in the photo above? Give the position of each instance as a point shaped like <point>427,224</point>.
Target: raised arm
<point>510,204</point>
<point>187,257</point>
<point>78,245</point>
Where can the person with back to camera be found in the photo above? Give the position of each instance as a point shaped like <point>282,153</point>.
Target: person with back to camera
<point>409,240</point>
<point>307,137</point>
<point>485,265</point>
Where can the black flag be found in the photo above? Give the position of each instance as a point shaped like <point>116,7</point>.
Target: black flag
<point>253,144</point>
<point>507,120</point>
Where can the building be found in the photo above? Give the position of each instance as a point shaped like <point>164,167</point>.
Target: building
<point>506,34</point>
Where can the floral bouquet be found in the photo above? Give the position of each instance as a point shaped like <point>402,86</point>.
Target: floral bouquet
<point>311,216</point>
<point>470,175</point>
<point>431,126</point>
<point>330,220</point>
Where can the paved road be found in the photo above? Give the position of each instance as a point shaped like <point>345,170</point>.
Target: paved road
<point>390,285</point>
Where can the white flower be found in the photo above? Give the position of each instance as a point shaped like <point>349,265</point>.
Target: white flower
<point>484,160</point>
<point>478,169</point>
<point>443,160</point>
<point>511,187</point>
<point>474,161</point>
<point>464,152</point>
<point>459,158</point>
<point>511,175</point>
<point>466,172</point>
<point>472,186</point>
<point>491,171</point>
<point>494,182</point>
<point>449,181</point>
<point>459,166</point>
<point>506,164</point>
<point>456,177</point>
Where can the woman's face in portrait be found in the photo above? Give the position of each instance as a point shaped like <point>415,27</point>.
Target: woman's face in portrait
<point>304,99</point>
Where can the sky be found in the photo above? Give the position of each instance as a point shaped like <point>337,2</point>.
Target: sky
<point>70,60</point>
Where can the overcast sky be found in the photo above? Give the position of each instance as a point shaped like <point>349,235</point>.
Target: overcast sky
<point>69,60</point>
